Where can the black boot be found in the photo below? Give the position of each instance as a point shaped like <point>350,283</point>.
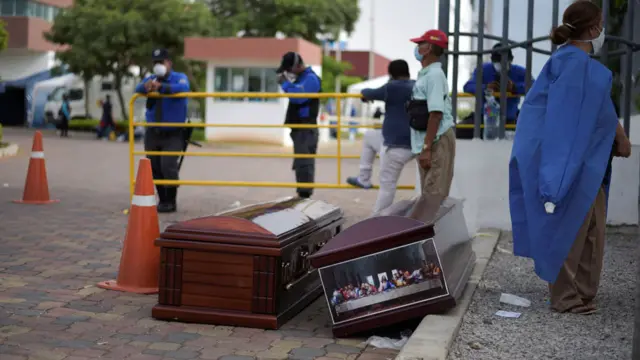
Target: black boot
<point>170,205</point>
<point>162,196</point>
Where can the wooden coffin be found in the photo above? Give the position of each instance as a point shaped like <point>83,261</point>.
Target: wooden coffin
<point>247,267</point>
<point>412,260</point>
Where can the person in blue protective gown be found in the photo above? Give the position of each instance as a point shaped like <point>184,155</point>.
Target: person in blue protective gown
<point>566,130</point>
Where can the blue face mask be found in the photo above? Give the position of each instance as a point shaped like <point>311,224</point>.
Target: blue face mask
<point>417,54</point>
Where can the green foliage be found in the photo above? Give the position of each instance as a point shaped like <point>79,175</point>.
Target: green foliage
<point>4,36</point>
<point>0,132</point>
<point>108,37</point>
<point>308,19</point>
<point>332,68</point>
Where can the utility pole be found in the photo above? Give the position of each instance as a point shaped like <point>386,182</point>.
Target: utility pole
<point>371,49</point>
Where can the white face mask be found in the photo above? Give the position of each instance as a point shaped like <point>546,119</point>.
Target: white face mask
<point>291,77</point>
<point>596,43</point>
<point>497,66</point>
<point>160,70</point>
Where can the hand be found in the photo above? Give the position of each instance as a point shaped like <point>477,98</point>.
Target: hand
<point>155,85</point>
<point>511,86</point>
<point>148,85</point>
<point>424,159</point>
<point>623,148</point>
<point>365,100</point>
<point>494,86</point>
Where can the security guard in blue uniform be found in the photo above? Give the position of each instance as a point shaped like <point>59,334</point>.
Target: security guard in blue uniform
<point>168,110</point>
<point>295,77</point>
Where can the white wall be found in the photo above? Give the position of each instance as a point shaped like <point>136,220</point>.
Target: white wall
<point>18,64</point>
<point>482,180</point>
<point>235,112</point>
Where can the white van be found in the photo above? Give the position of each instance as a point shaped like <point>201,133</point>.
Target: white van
<point>99,88</point>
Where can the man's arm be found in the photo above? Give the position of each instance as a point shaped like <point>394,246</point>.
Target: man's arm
<point>310,84</point>
<point>140,89</point>
<point>519,80</point>
<point>181,86</point>
<point>436,95</point>
<point>375,94</point>
<point>470,86</point>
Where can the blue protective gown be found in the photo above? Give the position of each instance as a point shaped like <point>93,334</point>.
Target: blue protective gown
<point>560,153</point>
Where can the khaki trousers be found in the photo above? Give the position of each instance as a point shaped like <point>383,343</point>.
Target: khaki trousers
<point>437,179</point>
<point>577,284</point>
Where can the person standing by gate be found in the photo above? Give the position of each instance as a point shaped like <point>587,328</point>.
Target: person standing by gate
<point>433,138</point>
<point>295,77</point>
<point>165,110</point>
<point>566,130</point>
<point>65,116</point>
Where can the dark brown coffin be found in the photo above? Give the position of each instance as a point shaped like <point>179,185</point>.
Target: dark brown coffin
<point>247,267</point>
<point>398,233</point>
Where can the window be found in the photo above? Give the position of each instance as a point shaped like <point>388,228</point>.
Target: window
<point>76,94</point>
<point>21,8</point>
<point>7,7</point>
<point>28,8</point>
<point>56,94</point>
<point>246,80</point>
<point>106,86</point>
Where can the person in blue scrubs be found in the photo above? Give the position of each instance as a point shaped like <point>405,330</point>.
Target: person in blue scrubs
<point>566,129</point>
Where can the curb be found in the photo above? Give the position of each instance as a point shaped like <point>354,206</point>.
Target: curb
<point>11,150</point>
<point>435,334</point>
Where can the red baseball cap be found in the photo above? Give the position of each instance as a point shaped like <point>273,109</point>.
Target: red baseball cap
<point>435,37</point>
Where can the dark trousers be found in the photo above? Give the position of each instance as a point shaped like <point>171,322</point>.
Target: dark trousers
<point>164,167</point>
<point>64,126</point>
<point>305,141</point>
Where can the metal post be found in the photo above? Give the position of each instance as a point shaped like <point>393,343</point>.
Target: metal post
<point>456,47</point>
<point>530,45</point>
<point>604,56</point>
<point>339,138</point>
<point>504,73</point>
<point>477,117</point>
<point>629,68</point>
<point>443,25</point>
<point>554,19</point>
<point>338,59</point>
<point>371,73</point>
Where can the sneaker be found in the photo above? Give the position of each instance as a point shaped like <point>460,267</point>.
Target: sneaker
<point>354,181</point>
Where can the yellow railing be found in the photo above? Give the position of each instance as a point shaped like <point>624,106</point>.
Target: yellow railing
<point>338,156</point>
<point>338,126</point>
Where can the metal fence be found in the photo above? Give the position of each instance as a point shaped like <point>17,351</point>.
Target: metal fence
<point>627,48</point>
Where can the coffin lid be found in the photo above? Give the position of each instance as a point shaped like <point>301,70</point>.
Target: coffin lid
<point>417,215</point>
<point>272,221</point>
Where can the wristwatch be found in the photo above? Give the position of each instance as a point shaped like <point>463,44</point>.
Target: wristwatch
<point>425,147</point>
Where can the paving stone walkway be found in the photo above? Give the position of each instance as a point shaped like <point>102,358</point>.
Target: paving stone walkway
<point>52,256</point>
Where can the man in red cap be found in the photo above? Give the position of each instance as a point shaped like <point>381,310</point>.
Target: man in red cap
<point>433,137</point>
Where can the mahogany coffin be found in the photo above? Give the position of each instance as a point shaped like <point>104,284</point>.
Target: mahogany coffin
<point>246,267</point>
<point>411,260</point>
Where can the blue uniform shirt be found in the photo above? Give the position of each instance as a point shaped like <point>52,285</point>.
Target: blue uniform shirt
<point>171,110</point>
<point>516,73</point>
<point>306,82</point>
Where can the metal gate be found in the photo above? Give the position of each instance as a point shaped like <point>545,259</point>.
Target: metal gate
<point>626,48</point>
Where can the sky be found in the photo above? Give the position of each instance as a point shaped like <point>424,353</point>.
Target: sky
<point>399,20</point>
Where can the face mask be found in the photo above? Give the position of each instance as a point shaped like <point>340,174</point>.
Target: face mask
<point>598,42</point>
<point>497,66</point>
<point>416,53</point>
<point>291,77</point>
<point>160,70</point>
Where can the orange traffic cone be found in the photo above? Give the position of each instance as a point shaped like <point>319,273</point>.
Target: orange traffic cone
<point>36,187</point>
<point>140,260</point>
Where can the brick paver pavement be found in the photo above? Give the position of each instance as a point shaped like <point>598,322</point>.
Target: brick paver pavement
<point>52,256</point>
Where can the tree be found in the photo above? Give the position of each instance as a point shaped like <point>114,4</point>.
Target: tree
<point>4,36</point>
<point>308,19</point>
<point>331,69</point>
<point>116,35</point>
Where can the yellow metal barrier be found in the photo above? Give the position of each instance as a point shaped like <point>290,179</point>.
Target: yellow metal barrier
<point>338,126</point>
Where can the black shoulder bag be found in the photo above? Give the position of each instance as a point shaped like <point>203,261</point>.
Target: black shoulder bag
<point>418,112</point>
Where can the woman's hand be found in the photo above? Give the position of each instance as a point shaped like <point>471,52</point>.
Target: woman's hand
<point>622,143</point>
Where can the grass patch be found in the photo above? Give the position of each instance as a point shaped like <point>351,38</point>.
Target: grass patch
<point>3,145</point>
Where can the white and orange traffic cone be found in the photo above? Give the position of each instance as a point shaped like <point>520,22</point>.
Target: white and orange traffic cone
<point>140,261</point>
<point>36,187</point>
